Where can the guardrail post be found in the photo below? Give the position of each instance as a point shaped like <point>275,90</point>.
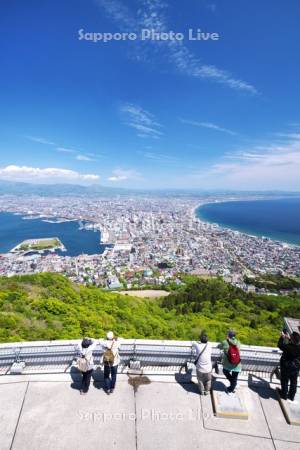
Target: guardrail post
<point>134,351</point>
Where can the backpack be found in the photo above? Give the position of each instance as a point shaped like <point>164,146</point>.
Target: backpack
<point>108,356</point>
<point>233,355</point>
<point>83,364</point>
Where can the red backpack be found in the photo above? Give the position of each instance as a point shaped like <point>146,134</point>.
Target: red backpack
<point>233,355</point>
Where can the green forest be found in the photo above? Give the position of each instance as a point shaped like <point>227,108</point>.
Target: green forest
<point>274,283</point>
<point>48,306</point>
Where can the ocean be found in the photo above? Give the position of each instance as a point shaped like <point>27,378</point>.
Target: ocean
<point>276,219</point>
<point>14,229</point>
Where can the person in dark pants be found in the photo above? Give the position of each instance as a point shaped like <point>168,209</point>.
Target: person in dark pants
<point>289,365</point>
<point>111,360</point>
<point>231,369</point>
<point>86,352</point>
<point>110,377</point>
<point>86,380</point>
<point>232,377</point>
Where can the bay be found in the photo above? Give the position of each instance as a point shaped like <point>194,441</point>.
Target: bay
<point>14,229</point>
<point>277,219</point>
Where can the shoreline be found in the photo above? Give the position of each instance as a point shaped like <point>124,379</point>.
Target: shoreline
<point>237,230</point>
<point>64,250</point>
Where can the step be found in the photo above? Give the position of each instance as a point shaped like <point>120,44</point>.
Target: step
<point>229,405</point>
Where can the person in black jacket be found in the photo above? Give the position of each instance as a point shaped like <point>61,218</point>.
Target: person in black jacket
<point>289,364</point>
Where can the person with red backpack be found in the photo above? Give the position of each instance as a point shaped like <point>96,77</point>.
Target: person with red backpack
<point>231,360</point>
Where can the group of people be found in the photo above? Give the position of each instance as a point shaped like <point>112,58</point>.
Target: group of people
<point>110,360</point>
<point>231,362</point>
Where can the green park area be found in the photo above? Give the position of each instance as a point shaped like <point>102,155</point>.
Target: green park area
<point>49,306</point>
<point>39,244</point>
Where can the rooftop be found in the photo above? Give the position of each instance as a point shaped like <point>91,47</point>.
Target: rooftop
<point>157,407</point>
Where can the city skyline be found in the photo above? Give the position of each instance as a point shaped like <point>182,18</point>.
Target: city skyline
<point>207,99</point>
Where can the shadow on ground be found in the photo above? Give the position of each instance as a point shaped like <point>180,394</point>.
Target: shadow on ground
<point>261,387</point>
<point>218,385</point>
<point>76,377</point>
<point>185,381</point>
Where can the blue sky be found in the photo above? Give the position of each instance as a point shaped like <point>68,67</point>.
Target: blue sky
<point>147,113</point>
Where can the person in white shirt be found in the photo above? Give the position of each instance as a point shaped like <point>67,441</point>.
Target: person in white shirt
<point>86,349</point>
<point>111,360</point>
<point>203,364</point>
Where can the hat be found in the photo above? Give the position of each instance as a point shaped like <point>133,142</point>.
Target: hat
<point>110,335</point>
<point>231,334</point>
<point>86,342</point>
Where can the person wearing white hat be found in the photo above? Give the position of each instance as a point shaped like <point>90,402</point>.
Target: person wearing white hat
<point>110,335</point>
<point>111,360</point>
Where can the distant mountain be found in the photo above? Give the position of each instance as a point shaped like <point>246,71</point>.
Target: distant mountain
<point>61,190</point>
<point>57,190</point>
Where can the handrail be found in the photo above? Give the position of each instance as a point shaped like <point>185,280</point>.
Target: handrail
<point>149,353</point>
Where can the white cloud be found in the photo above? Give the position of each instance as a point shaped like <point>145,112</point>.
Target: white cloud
<point>272,166</point>
<point>65,150</point>
<point>40,140</point>
<point>188,64</point>
<point>158,157</point>
<point>212,7</point>
<point>151,15</point>
<point>46,175</point>
<point>116,178</point>
<point>119,13</point>
<point>84,158</point>
<point>209,125</point>
<point>94,155</point>
<point>181,57</point>
<point>141,120</point>
<point>80,157</point>
<point>119,175</point>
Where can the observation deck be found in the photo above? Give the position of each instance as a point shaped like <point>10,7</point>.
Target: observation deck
<point>156,403</point>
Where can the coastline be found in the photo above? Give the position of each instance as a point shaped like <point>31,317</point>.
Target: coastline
<point>241,230</point>
<point>90,245</point>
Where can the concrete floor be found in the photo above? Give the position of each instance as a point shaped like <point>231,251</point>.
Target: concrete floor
<point>46,412</point>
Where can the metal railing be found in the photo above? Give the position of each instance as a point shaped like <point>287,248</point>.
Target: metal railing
<point>59,356</point>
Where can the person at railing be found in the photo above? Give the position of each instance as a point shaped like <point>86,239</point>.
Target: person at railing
<point>111,360</point>
<point>231,360</point>
<point>85,363</point>
<point>289,364</point>
<point>203,364</point>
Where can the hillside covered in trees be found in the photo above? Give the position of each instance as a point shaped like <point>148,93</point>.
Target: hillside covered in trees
<point>49,306</point>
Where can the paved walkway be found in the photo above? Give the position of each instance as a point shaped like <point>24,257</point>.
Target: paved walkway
<point>46,412</point>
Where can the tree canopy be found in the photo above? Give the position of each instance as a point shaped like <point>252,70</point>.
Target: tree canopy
<point>49,306</point>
